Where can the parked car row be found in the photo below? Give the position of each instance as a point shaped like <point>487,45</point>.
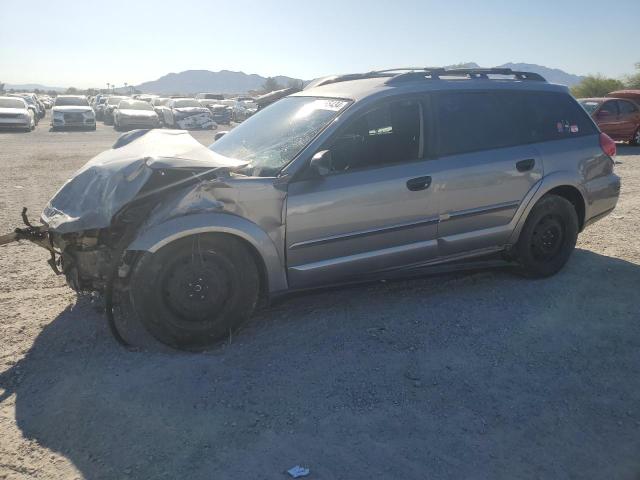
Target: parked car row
<point>152,111</point>
<point>15,113</point>
<point>23,111</point>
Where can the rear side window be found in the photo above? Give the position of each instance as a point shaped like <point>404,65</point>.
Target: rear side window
<point>473,121</point>
<point>554,116</point>
<point>469,122</point>
<point>626,107</point>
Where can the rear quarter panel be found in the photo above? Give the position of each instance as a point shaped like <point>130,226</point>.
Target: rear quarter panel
<point>578,162</point>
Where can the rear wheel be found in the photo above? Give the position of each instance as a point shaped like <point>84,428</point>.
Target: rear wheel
<point>548,237</point>
<point>636,138</point>
<point>196,290</point>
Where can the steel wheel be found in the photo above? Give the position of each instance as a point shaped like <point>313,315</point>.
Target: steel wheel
<point>547,238</point>
<point>196,288</point>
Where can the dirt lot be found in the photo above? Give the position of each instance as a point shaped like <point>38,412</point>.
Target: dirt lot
<point>478,375</point>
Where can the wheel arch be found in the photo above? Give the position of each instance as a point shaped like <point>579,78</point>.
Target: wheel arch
<point>271,268</point>
<point>573,195</point>
<point>563,184</point>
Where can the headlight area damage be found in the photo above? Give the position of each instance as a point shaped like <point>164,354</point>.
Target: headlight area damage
<point>147,177</point>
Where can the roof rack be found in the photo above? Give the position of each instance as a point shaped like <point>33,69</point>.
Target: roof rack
<point>408,74</point>
<point>472,73</point>
<point>344,78</point>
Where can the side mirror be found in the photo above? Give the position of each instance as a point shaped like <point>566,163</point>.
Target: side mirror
<point>219,135</point>
<point>321,162</point>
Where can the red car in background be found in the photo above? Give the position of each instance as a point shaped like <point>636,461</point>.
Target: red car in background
<point>617,117</point>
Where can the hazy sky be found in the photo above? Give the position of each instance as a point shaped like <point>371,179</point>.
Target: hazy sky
<point>84,43</point>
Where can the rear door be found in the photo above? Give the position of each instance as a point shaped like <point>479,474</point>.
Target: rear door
<point>484,168</point>
<point>629,118</point>
<point>375,211</point>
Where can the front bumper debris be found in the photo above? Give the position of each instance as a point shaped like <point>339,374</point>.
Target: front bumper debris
<point>38,234</point>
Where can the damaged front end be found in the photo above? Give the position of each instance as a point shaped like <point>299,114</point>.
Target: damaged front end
<point>147,176</point>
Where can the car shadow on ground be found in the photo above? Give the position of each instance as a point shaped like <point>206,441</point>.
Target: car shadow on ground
<point>71,129</point>
<point>482,375</point>
<point>13,130</point>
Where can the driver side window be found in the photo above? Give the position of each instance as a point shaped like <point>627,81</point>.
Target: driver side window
<point>386,135</point>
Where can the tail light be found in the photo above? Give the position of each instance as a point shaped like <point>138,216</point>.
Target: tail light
<point>608,145</point>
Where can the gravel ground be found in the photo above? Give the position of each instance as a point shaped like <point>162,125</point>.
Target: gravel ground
<point>476,375</point>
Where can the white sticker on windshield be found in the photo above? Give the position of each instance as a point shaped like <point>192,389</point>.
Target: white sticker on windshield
<point>320,104</point>
<point>333,105</point>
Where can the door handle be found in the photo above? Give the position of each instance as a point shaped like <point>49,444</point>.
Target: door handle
<point>418,183</point>
<point>525,165</point>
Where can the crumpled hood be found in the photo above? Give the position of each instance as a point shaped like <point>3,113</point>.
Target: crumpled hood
<point>109,181</point>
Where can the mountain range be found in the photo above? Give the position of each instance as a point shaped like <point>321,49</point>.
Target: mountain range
<point>32,86</point>
<point>193,81</point>
<point>552,75</point>
<point>226,81</point>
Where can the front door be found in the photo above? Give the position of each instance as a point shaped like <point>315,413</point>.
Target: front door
<point>375,211</point>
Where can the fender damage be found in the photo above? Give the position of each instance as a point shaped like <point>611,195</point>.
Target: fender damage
<point>146,179</point>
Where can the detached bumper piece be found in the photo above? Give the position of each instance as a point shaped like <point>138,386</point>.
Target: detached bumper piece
<point>38,234</point>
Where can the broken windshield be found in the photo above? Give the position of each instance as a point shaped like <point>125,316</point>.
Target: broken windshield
<point>273,137</point>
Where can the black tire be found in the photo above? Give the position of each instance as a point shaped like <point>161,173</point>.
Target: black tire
<point>548,237</point>
<point>635,140</point>
<point>165,287</point>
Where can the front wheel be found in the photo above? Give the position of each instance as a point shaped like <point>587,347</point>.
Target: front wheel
<point>636,138</point>
<point>196,290</point>
<point>548,237</point>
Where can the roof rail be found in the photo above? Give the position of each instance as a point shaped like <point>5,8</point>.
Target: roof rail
<point>408,74</point>
<point>472,73</point>
<point>344,78</point>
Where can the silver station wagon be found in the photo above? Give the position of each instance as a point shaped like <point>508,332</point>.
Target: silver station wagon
<point>357,177</point>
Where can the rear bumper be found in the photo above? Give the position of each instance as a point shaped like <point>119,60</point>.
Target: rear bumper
<point>133,123</point>
<point>86,123</point>
<point>15,123</point>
